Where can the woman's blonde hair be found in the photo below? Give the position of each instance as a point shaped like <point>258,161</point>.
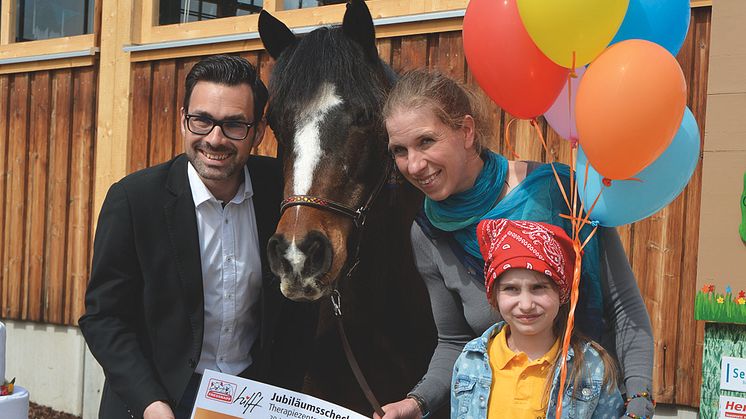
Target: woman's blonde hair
<point>449,100</point>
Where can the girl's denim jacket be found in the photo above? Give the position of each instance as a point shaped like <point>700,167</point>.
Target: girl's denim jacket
<point>472,376</point>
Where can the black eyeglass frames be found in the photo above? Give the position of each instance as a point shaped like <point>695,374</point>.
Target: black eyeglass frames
<point>203,125</point>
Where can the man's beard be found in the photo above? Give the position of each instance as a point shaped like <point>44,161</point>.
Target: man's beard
<point>211,173</point>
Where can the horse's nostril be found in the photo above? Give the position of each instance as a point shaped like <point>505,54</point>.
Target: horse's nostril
<point>276,247</point>
<point>318,252</point>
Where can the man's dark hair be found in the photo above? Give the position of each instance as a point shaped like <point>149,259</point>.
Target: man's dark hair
<point>227,70</point>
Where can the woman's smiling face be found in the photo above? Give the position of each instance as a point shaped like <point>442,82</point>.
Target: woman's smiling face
<point>430,154</point>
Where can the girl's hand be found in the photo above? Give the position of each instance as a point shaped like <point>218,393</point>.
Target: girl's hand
<point>403,409</point>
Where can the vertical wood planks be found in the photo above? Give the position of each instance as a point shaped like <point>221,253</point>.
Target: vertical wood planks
<point>691,332</point>
<point>182,69</point>
<point>4,135</point>
<point>449,57</point>
<point>80,195</point>
<point>268,147</point>
<point>57,192</point>
<point>36,190</point>
<point>140,117</point>
<point>162,112</point>
<point>412,54</point>
<point>15,195</point>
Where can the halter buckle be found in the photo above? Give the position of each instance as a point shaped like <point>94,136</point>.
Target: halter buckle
<point>336,302</point>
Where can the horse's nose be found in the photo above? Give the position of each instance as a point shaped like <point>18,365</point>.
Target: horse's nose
<point>318,254</point>
<point>311,258</point>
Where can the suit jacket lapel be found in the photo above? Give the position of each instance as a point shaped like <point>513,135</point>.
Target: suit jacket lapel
<point>181,220</point>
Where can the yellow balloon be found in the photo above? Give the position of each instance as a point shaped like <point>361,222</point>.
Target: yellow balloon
<point>561,27</point>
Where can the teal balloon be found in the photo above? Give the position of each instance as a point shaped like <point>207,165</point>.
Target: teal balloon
<point>627,201</point>
<point>664,22</point>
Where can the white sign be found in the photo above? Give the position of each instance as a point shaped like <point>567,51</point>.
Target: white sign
<point>732,408</point>
<point>223,396</point>
<point>733,374</point>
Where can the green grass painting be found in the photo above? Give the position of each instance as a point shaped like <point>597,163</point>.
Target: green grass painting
<point>713,306</point>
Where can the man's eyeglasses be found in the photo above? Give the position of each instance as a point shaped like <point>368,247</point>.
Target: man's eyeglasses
<point>203,125</point>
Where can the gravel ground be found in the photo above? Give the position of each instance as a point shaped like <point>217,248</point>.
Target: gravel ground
<point>43,412</point>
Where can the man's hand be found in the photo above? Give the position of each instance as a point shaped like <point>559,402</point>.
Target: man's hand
<point>403,409</point>
<point>158,410</point>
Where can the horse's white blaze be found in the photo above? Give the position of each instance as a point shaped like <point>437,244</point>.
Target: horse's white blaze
<point>296,258</point>
<point>307,144</point>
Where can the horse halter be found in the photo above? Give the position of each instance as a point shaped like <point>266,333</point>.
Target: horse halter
<point>358,217</point>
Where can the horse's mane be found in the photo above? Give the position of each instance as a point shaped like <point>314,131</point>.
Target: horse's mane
<point>327,55</point>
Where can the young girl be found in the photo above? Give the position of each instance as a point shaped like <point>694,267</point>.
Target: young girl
<point>512,370</point>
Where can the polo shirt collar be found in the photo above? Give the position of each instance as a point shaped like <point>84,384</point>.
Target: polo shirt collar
<point>505,354</point>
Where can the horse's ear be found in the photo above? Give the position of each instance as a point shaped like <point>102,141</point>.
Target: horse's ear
<point>275,35</point>
<point>358,26</point>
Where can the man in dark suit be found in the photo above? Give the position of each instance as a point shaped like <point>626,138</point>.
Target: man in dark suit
<point>180,281</point>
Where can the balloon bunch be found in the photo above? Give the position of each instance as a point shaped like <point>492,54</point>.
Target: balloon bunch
<point>626,110</point>
<point>625,114</point>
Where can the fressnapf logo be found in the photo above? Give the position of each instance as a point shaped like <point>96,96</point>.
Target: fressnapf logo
<point>221,390</point>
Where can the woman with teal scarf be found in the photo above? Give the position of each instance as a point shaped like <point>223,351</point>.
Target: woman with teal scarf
<point>436,130</point>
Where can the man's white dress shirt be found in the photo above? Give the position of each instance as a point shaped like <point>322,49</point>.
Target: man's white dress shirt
<point>231,276</point>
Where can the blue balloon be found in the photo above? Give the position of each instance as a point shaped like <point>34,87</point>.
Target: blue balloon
<point>664,22</point>
<point>627,201</point>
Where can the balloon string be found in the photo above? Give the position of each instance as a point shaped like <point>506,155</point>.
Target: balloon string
<point>570,324</point>
<point>574,189</point>
<point>535,124</point>
<point>577,224</point>
<point>569,103</point>
<point>507,138</point>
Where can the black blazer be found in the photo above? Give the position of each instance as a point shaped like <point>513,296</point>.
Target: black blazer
<point>144,303</point>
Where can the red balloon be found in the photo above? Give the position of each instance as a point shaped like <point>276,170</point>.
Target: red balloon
<point>506,63</point>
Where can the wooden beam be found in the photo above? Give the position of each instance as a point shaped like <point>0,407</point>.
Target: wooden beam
<point>47,65</point>
<point>273,5</point>
<point>7,22</point>
<point>197,50</point>
<point>97,22</point>
<point>701,3</point>
<point>145,17</point>
<point>114,81</point>
<point>48,46</point>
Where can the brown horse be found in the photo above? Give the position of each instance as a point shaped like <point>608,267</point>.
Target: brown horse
<point>326,94</point>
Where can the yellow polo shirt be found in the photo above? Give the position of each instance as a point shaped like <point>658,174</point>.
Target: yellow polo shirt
<point>518,384</point>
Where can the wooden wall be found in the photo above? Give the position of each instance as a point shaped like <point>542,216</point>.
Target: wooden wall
<point>47,124</point>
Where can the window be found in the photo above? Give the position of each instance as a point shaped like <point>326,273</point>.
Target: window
<point>45,19</point>
<point>183,11</point>
<point>302,4</point>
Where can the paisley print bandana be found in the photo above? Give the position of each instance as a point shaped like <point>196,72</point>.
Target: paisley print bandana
<point>541,247</point>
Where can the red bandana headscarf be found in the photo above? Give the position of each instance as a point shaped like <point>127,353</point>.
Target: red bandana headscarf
<point>541,247</point>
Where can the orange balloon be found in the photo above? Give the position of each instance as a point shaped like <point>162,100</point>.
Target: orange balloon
<point>629,107</point>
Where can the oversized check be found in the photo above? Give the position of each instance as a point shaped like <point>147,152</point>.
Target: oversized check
<point>223,396</point>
